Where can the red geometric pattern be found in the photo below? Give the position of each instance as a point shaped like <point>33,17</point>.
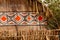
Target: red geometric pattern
<point>3,18</point>
<point>40,18</point>
<point>17,18</point>
<point>21,18</point>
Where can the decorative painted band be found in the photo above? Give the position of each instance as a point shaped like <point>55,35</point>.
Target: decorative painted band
<point>21,18</point>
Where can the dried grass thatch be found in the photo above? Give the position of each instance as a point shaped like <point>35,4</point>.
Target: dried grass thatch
<point>25,33</point>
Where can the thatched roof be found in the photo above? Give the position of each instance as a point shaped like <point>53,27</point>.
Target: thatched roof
<point>26,5</point>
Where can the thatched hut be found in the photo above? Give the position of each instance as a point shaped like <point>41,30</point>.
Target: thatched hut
<point>25,20</point>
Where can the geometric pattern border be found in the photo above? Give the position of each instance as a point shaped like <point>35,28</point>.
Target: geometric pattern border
<point>21,18</point>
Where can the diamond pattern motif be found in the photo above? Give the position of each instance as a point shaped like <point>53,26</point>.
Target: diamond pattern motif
<point>21,18</point>
<point>40,18</point>
<point>3,18</point>
<point>17,18</point>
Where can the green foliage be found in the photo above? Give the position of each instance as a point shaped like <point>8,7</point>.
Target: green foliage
<point>54,5</point>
